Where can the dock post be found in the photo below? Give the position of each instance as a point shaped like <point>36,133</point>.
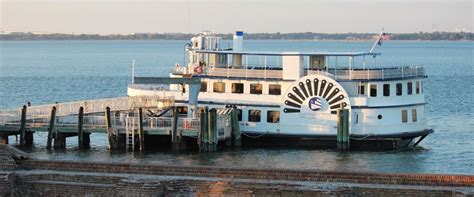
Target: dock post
<point>108,126</point>
<point>83,143</point>
<point>343,129</point>
<point>212,145</point>
<point>175,141</point>
<point>141,136</point>
<point>52,120</point>
<point>345,134</point>
<point>203,134</point>
<point>23,126</point>
<point>174,131</point>
<point>236,142</point>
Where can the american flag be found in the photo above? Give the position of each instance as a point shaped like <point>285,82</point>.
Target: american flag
<point>383,36</point>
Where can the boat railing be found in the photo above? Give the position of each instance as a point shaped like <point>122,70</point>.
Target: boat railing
<point>378,73</point>
<point>340,73</point>
<point>252,72</point>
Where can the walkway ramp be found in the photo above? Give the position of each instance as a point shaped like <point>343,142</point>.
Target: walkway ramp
<point>40,113</point>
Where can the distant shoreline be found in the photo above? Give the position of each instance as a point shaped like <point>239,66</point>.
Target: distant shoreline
<point>349,41</point>
<point>307,36</point>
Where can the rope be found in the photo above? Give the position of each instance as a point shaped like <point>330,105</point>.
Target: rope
<point>254,137</point>
<point>362,138</point>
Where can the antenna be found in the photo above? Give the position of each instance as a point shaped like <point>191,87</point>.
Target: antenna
<point>133,71</point>
<point>377,41</point>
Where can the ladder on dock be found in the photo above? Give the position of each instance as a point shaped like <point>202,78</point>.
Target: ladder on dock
<point>130,133</point>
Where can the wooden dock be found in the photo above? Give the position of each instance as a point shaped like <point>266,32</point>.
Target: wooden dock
<point>127,121</point>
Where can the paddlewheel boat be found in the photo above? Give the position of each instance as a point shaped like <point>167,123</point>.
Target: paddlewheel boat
<point>294,97</point>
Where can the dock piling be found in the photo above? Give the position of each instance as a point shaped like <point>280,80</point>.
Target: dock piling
<point>343,129</point>
<point>141,136</point>
<point>23,126</point>
<point>212,143</point>
<point>108,124</point>
<point>176,139</point>
<point>203,134</point>
<point>80,131</point>
<point>83,138</point>
<point>236,142</point>
<point>52,120</point>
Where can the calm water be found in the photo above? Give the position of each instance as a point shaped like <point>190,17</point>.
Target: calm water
<point>49,71</point>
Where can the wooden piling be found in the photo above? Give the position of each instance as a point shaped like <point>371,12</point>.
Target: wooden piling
<point>203,133</point>
<point>108,125</point>
<point>80,131</point>
<point>345,134</point>
<point>52,120</point>
<point>236,141</point>
<point>141,136</point>
<point>212,132</point>
<point>23,126</point>
<point>176,141</point>
<point>343,129</point>
<point>174,132</point>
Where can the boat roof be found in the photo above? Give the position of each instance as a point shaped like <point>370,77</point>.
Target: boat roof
<point>291,53</point>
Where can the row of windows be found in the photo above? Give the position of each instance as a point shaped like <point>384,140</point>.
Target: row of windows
<point>238,88</point>
<point>274,116</point>
<point>256,116</point>
<point>386,89</point>
<point>405,116</point>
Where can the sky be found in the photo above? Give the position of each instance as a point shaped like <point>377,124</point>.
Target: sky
<point>225,16</point>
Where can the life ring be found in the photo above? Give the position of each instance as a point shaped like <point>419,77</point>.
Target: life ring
<point>198,69</point>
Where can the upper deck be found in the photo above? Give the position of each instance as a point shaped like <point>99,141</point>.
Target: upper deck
<point>207,59</point>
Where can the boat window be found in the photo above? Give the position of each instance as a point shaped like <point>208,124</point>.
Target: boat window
<point>361,89</point>
<point>399,89</point>
<point>274,89</point>
<point>256,88</point>
<point>219,87</point>
<point>404,116</point>
<point>238,88</point>
<point>203,86</point>
<point>273,116</point>
<point>239,114</point>
<point>182,110</point>
<point>410,88</point>
<point>222,59</point>
<point>373,90</point>
<point>386,89</point>
<point>413,115</point>
<point>417,87</point>
<point>254,115</point>
<point>421,86</point>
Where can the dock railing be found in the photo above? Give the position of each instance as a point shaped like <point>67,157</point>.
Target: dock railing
<point>38,115</point>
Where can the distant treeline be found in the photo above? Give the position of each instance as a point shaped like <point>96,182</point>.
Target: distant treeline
<point>255,36</point>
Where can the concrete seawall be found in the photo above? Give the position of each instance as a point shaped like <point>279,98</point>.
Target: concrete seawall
<point>31,177</point>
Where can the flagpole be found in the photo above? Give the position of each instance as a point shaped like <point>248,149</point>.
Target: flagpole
<point>378,40</point>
